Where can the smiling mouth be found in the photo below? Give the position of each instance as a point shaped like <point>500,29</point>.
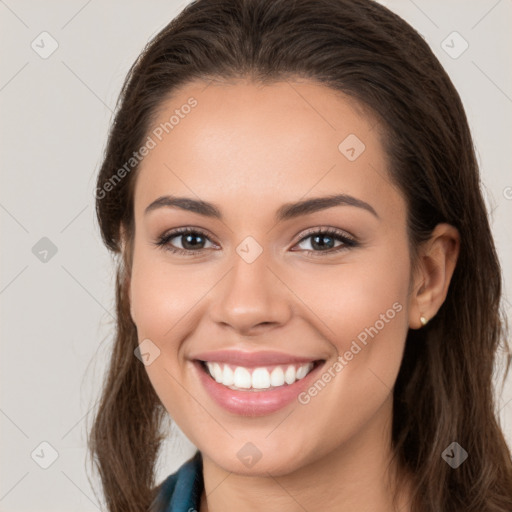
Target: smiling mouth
<point>264,378</point>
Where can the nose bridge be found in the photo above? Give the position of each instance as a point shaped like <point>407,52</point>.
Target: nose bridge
<point>251,294</point>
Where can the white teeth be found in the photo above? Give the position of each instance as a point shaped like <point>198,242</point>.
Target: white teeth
<point>277,377</point>
<point>228,377</point>
<point>217,372</point>
<point>260,378</point>
<point>301,372</point>
<point>242,378</point>
<point>210,367</point>
<point>289,375</point>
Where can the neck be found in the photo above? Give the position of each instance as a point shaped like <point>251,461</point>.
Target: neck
<point>356,476</point>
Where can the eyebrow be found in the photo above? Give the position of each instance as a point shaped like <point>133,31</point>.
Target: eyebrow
<point>285,212</point>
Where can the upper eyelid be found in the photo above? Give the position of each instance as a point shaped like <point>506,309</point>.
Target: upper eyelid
<point>321,229</point>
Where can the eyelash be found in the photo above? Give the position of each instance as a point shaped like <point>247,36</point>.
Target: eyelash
<point>348,242</point>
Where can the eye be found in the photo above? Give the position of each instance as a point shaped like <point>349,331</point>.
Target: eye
<point>324,239</point>
<point>193,240</point>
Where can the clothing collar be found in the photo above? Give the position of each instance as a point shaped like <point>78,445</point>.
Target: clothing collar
<point>181,491</point>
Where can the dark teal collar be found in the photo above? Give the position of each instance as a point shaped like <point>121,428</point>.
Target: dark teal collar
<point>181,491</point>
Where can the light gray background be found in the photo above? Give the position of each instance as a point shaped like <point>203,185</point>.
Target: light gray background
<point>56,316</point>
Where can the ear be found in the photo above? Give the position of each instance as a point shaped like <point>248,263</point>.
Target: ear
<point>437,259</point>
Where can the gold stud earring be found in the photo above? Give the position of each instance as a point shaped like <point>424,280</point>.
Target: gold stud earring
<point>423,320</point>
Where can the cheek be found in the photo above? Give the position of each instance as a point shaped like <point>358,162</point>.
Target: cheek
<point>374,305</point>
<point>349,298</point>
<point>165,300</point>
<point>160,300</point>
<point>361,309</point>
<point>365,310</point>
<point>161,294</point>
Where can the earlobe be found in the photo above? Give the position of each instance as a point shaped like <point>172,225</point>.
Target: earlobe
<point>438,258</point>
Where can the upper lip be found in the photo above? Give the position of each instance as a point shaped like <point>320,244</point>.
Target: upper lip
<point>252,359</point>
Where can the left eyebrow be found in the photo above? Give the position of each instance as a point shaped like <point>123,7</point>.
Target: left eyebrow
<point>286,212</point>
<point>307,206</point>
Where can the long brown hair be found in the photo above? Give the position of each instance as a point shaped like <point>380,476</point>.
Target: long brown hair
<point>444,390</point>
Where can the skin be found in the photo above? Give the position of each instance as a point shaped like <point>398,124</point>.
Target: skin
<point>249,149</point>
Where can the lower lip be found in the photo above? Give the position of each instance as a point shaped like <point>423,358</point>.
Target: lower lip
<point>254,403</point>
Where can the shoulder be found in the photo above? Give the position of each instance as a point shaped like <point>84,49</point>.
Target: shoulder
<point>182,490</point>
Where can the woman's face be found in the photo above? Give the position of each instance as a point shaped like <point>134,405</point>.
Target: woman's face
<point>266,289</point>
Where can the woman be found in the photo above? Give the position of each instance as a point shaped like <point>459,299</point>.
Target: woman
<point>307,284</point>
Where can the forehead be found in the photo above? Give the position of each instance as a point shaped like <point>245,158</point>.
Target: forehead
<point>243,145</point>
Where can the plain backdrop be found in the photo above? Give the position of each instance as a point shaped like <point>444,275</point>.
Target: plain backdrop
<point>56,282</point>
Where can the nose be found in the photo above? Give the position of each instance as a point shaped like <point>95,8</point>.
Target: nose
<point>251,298</point>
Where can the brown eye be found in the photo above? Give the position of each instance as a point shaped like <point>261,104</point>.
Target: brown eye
<point>191,240</point>
<point>324,240</point>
